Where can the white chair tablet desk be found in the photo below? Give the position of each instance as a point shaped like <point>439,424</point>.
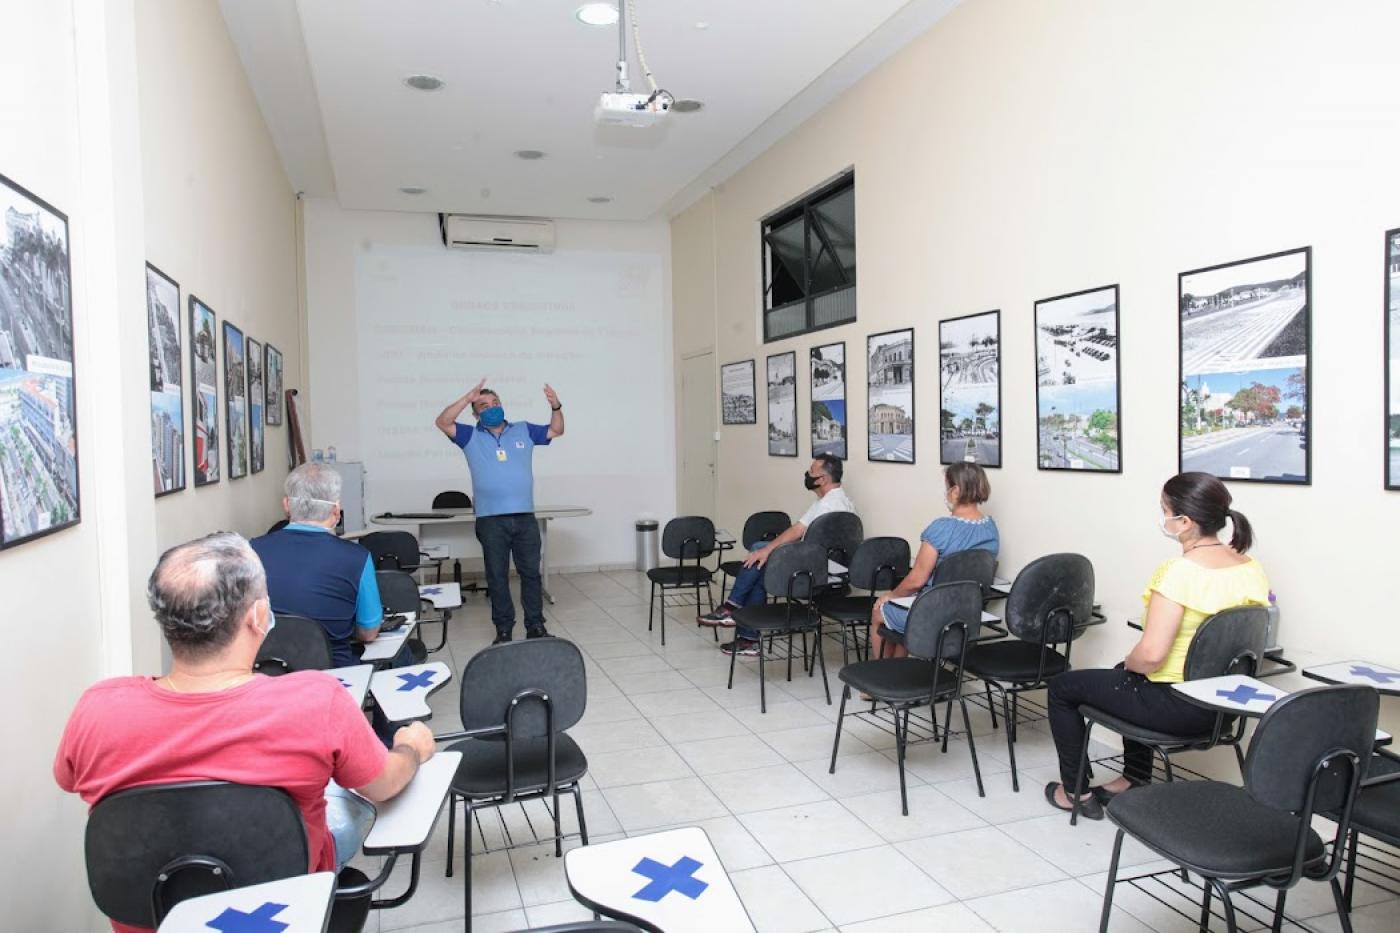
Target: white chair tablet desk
<point>1244,696</point>
<point>402,692</point>
<point>300,904</point>
<point>667,882</point>
<point>354,678</point>
<point>384,647</point>
<point>1386,680</point>
<point>441,595</point>
<point>904,602</point>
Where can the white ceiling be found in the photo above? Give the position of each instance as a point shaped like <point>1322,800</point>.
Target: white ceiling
<point>525,74</point>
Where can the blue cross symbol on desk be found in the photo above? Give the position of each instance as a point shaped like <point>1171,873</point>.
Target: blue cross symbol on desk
<point>1380,677</point>
<point>1244,694</point>
<point>414,681</point>
<point>430,591</point>
<point>343,681</point>
<point>259,921</point>
<point>668,878</point>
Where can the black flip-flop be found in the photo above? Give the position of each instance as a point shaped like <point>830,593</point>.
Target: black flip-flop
<point>1089,809</point>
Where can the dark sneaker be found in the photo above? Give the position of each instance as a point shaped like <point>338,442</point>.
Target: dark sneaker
<point>744,647</point>
<point>536,632</point>
<point>723,617</point>
<point>502,638</point>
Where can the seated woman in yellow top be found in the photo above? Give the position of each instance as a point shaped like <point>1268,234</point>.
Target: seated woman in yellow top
<point>1208,577</point>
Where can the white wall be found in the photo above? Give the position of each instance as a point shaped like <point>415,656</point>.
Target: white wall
<point>399,326</point>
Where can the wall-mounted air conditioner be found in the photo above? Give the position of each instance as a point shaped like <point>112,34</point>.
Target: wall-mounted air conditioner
<point>466,231</point>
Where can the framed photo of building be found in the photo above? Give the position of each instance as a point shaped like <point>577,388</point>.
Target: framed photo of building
<point>782,405</point>
<point>1077,397</point>
<point>738,393</point>
<point>204,394</point>
<point>889,396</point>
<point>969,389</point>
<point>38,410</point>
<point>235,401</point>
<point>828,369</point>
<point>167,389</point>
<point>256,404</point>
<point>272,375</point>
<point>1392,359</point>
<point>1245,402</point>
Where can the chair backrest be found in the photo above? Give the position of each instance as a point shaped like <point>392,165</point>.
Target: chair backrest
<point>397,591</point>
<point>452,499</point>
<point>294,644</point>
<point>1302,730</point>
<point>1052,598</point>
<point>203,837</point>
<point>940,609</point>
<point>497,675</point>
<point>879,563</point>
<point>689,537</point>
<point>839,534</point>
<point>392,550</point>
<point>588,926</point>
<point>978,565</point>
<point>1232,641</point>
<point>795,570</point>
<point>765,526</point>
<point>278,525</point>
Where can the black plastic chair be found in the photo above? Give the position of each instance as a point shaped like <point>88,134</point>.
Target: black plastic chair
<point>793,576</point>
<point>518,699</point>
<point>942,623</point>
<point>687,540</point>
<point>838,534</point>
<point>877,564</point>
<point>452,499</point>
<point>1232,641</point>
<point>760,526</point>
<point>398,592</point>
<point>149,848</point>
<point>1308,756</point>
<point>976,566</point>
<point>1377,815</point>
<point>1050,604</point>
<point>278,525</point>
<point>294,644</point>
<point>393,550</point>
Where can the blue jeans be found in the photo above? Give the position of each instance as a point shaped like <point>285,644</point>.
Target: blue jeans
<point>349,818</point>
<point>504,537</point>
<point>748,590</point>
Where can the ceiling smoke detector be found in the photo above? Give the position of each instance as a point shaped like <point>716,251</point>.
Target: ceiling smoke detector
<point>424,82</point>
<point>687,105</point>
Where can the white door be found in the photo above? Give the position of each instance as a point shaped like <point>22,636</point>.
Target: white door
<point>697,494</point>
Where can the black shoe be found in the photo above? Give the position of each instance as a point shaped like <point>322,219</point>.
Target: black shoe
<point>1090,809</point>
<point>536,631</point>
<point>502,638</point>
<point>1103,795</point>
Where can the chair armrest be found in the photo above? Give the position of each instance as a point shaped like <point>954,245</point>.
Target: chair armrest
<point>405,822</point>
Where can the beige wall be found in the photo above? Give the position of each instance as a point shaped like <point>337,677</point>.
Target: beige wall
<point>1023,149</point>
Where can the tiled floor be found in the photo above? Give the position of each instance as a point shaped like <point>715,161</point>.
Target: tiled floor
<point>668,745</point>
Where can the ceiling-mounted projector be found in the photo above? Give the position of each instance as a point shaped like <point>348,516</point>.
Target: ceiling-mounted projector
<point>639,110</point>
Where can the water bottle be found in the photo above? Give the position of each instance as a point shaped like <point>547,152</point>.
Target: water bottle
<point>330,454</point>
<point>317,456</point>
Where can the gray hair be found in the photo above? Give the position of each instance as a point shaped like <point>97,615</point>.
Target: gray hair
<point>201,589</point>
<point>313,490</point>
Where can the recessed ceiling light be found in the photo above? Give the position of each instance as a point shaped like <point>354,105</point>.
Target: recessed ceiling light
<point>529,155</point>
<point>424,82</point>
<point>597,14</point>
<point>687,105</point>
<point>600,199</point>
<point>413,189</point>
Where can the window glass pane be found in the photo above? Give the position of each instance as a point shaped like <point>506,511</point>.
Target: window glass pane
<point>785,267</point>
<point>809,254</point>
<point>838,307</point>
<point>837,215</point>
<point>785,321</point>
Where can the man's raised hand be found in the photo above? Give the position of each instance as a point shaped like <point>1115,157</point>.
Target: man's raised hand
<point>551,396</point>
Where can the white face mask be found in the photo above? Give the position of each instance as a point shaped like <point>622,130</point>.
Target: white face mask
<point>1162,524</point>
<point>271,621</point>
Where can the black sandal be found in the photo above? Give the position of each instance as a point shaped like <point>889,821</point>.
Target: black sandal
<point>1089,809</point>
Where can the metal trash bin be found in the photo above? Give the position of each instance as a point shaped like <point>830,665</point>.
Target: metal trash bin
<point>648,545</point>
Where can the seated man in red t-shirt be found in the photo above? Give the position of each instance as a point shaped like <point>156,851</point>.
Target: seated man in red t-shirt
<point>212,718</point>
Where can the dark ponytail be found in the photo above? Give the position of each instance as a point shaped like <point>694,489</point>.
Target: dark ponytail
<point>1243,536</point>
<point>1204,499</point>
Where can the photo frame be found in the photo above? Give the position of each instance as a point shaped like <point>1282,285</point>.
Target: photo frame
<point>39,491</point>
<point>1392,359</point>
<point>272,374</point>
<point>1245,397</point>
<point>738,393</point>
<point>256,405</point>
<point>828,394</point>
<point>969,389</point>
<point>167,388</point>
<point>782,404</point>
<point>1078,382</point>
<point>204,393</point>
<point>889,396</point>
<point>235,401</point>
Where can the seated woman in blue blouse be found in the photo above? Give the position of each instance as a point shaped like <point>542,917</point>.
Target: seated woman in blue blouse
<point>966,529</point>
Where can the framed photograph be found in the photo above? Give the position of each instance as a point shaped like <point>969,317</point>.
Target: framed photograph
<point>204,396</point>
<point>38,410</point>
<point>167,389</point>
<point>1392,359</point>
<point>738,393</point>
<point>829,400</point>
<point>256,404</point>
<point>272,376</point>
<point>782,405</point>
<point>889,396</point>
<point>969,389</point>
<point>1077,397</point>
<point>235,401</point>
<point>1246,346</point>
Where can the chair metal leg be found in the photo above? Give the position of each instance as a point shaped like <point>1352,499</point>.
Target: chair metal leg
<point>663,615</point>
<point>1278,910</point>
<point>840,716</point>
<point>467,864</point>
<point>845,652</point>
<point>1010,739</point>
<point>558,830</point>
<point>1239,758</point>
<point>971,747</point>
<point>789,654</point>
<point>821,660</point>
<point>734,656</point>
<point>1112,880</point>
<point>948,720</point>
<point>991,707</point>
<point>1205,906</point>
<point>1231,925</point>
<point>901,736</point>
<point>582,823</point>
<point>1343,908</point>
<point>1079,777</point>
<point>651,607</point>
<point>451,828</point>
<point>762,680</point>
<point>1353,838</point>
<point>1013,717</point>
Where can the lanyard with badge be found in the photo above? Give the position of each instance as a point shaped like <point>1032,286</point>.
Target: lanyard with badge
<point>500,451</point>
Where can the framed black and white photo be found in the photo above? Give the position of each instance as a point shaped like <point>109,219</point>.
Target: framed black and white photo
<point>1077,398</point>
<point>889,396</point>
<point>256,403</point>
<point>204,393</point>
<point>738,393</point>
<point>167,389</point>
<point>782,405</point>
<point>828,371</point>
<point>1245,402</point>
<point>38,409</point>
<point>272,375</point>
<point>969,389</point>
<point>1392,359</point>
<point>235,401</point>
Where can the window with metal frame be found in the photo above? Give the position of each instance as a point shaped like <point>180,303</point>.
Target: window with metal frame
<point>809,262</point>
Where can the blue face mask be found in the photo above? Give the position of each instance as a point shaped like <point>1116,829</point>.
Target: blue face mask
<point>492,417</point>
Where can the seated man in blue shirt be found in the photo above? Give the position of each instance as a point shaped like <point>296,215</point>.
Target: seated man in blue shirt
<point>314,574</point>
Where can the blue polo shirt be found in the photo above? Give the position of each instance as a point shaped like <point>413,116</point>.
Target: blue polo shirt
<point>503,477</point>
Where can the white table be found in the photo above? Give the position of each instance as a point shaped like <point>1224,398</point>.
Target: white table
<point>669,881</point>
<point>441,595</point>
<point>404,823</point>
<point>1244,696</point>
<point>454,529</point>
<point>402,692</point>
<point>1386,680</point>
<point>1001,589</point>
<point>354,678</point>
<point>905,602</point>
<point>387,644</point>
<point>302,903</point>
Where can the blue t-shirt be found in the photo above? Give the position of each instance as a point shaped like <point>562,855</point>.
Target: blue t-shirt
<point>503,478</point>
<point>950,534</point>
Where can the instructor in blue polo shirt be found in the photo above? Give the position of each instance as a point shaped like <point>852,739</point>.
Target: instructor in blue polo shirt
<point>499,454</point>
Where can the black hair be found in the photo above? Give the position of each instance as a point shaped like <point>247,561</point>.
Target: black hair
<point>831,466</point>
<point>1204,499</point>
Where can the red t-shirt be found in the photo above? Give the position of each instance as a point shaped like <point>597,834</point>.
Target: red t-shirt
<point>296,732</point>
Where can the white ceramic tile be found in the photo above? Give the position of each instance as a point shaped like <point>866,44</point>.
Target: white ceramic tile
<point>440,898</point>
<point>768,788</point>
<point>950,918</point>
<point>930,813</point>
<point>1082,849</point>
<point>690,727</point>
<point>731,753</point>
<point>1002,804</point>
<point>780,716</point>
<point>808,830</point>
<point>634,684</point>
<point>978,862</point>
<point>775,903</point>
<point>663,803</point>
<point>736,847</point>
<point>596,738</point>
<point>637,766</point>
<point>1073,907</point>
<point>812,743</point>
<point>609,709</point>
<point>635,664</point>
<point>851,886</point>
<point>558,912</point>
<point>675,702</point>
<point>856,774</point>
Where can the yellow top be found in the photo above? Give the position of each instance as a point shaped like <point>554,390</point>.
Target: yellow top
<point>1202,592</point>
